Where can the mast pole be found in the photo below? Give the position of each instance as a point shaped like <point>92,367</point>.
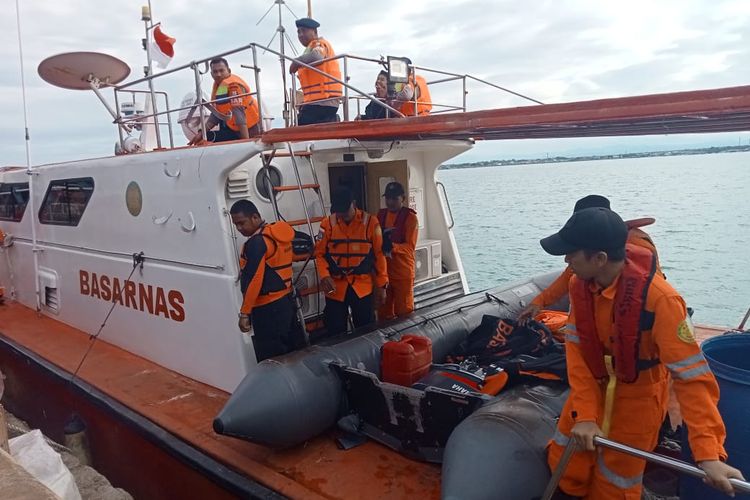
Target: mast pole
<point>287,101</point>
<point>34,248</point>
<point>148,22</point>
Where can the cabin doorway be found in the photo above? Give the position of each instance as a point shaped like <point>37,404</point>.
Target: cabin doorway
<point>352,176</point>
<point>379,174</point>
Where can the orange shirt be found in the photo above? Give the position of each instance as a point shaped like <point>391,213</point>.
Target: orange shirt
<point>354,230</point>
<point>401,264</point>
<point>671,340</point>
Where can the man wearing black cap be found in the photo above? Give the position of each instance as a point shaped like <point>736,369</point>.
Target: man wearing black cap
<point>321,91</point>
<point>559,288</point>
<point>628,333</point>
<point>400,226</point>
<point>351,264</point>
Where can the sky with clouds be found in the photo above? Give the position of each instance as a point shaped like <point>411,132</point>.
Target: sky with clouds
<point>552,50</point>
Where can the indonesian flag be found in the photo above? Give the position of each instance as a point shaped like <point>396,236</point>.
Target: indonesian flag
<point>162,48</point>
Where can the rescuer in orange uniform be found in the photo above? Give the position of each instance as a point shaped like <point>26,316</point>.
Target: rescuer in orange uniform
<point>399,225</point>
<point>559,288</point>
<point>619,362</point>
<point>415,90</point>
<point>266,282</point>
<point>240,113</point>
<point>351,263</point>
<point>321,93</point>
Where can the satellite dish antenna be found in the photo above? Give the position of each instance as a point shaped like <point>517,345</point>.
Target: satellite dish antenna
<point>85,71</point>
<point>78,70</point>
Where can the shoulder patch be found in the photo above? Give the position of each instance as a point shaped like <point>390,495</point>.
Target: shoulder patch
<point>686,332</point>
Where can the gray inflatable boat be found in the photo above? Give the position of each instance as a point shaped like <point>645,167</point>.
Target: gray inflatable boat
<point>512,429</point>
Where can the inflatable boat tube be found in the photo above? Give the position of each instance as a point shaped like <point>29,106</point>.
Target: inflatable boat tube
<point>284,401</point>
<point>499,450</point>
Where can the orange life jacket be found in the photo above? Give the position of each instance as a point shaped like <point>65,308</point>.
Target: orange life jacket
<point>398,234</point>
<point>278,272</point>
<point>352,255</point>
<point>631,318</point>
<point>422,96</point>
<point>223,94</point>
<point>316,86</point>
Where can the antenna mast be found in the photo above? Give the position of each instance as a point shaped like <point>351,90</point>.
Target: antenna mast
<point>148,70</point>
<point>283,36</point>
<point>29,171</point>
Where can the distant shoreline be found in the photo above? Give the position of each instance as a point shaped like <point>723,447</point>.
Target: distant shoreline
<point>565,159</point>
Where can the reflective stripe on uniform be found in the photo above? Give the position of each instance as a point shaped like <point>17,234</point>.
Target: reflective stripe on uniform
<point>692,373</point>
<point>560,438</point>
<point>698,363</point>
<point>617,480</point>
<point>571,334</point>
<point>684,363</point>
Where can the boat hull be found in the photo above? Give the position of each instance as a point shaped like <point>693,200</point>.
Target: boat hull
<point>133,452</point>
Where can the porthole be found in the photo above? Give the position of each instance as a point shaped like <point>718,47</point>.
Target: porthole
<point>262,179</point>
<point>134,199</point>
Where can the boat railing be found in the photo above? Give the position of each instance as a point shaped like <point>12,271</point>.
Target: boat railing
<point>161,116</point>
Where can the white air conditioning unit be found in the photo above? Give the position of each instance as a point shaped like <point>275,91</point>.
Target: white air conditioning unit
<point>428,260</point>
<point>311,302</point>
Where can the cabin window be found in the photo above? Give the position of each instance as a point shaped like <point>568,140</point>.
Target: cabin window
<point>13,199</point>
<point>65,201</point>
<point>272,174</point>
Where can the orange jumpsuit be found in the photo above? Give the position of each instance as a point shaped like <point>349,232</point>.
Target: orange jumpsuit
<point>639,408</point>
<point>399,299</point>
<point>559,288</point>
<point>346,240</point>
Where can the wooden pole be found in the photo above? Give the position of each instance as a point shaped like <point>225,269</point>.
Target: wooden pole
<point>309,8</point>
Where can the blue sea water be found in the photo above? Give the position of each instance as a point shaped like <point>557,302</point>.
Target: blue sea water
<point>701,204</point>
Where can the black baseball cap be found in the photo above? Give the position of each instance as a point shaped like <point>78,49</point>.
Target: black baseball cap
<point>341,199</point>
<point>394,189</point>
<point>595,228</point>
<point>307,22</point>
<point>592,200</point>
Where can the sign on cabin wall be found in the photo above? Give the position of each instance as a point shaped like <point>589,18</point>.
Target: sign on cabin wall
<point>149,299</point>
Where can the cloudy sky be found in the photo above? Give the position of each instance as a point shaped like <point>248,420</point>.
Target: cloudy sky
<point>552,50</point>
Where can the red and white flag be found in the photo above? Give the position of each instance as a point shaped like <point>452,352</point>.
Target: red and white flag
<point>162,48</point>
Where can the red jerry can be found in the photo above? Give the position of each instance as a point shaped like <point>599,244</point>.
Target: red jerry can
<point>405,361</point>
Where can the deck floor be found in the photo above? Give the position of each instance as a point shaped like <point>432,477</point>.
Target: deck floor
<point>186,408</point>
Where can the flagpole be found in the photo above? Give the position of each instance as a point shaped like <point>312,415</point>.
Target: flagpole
<point>147,17</point>
<point>29,171</point>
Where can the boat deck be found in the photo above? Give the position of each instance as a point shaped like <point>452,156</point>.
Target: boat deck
<point>182,411</point>
<point>186,408</point>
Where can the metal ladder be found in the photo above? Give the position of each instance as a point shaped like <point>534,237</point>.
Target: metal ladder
<point>308,220</point>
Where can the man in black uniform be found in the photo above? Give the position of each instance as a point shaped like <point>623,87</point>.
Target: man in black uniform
<point>266,282</point>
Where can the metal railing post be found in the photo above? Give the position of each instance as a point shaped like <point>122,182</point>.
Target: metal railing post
<point>346,91</point>
<point>256,71</point>
<point>169,121</point>
<point>199,99</point>
<point>119,124</point>
<point>464,93</point>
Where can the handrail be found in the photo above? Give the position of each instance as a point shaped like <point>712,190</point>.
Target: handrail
<point>200,67</point>
<point>503,89</point>
<point>447,204</point>
<point>331,77</point>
